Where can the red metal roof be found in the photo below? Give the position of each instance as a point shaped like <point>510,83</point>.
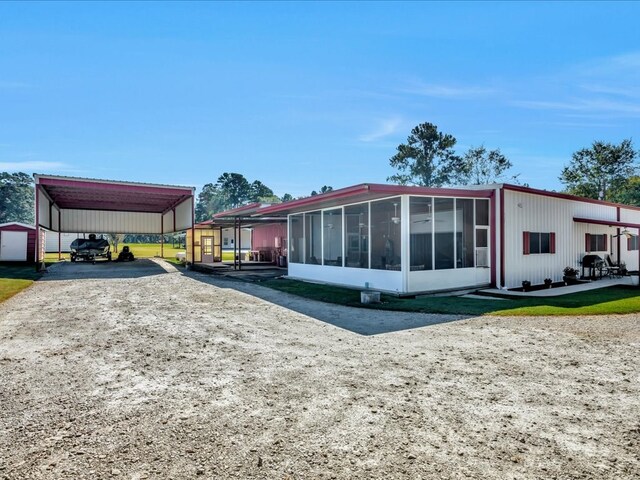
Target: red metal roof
<point>94,194</point>
<point>364,192</point>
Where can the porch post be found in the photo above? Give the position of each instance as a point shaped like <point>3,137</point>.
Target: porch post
<point>235,244</point>
<point>59,236</point>
<point>405,257</point>
<point>240,244</point>
<point>618,244</point>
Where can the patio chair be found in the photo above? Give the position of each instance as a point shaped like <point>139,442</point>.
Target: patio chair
<point>614,268</point>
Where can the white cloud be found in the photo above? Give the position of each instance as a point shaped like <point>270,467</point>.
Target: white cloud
<point>449,91</point>
<point>385,128</point>
<point>601,88</point>
<point>31,166</point>
<point>583,105</point>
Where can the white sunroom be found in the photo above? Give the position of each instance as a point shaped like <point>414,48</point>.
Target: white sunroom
<point>392,238</point>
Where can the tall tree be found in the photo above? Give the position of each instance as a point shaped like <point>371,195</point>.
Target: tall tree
<point>324,189</point>
<point>16,198</point>
<point>600,171</point>
<point>259,191</point>
<point>235,189</point>
<point>483,166</point>
<point>231,190</point>
<point>210,201</point>
<point>629,194</point>
<point>427,159</point>
<point>286,197</point>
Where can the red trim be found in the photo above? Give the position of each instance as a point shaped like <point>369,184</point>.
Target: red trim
<point>565,196</point>
<point>552,242</point>
<point>502,247</point>
<point>526,243</point>
<point>110,185</point>
<point>609,223</point>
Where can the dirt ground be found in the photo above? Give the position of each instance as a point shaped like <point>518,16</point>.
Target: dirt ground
<point>140,371</point>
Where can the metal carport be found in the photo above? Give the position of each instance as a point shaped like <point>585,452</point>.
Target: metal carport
<point>70,204</point>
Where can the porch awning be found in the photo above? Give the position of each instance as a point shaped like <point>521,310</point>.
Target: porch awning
<point>610,223</point>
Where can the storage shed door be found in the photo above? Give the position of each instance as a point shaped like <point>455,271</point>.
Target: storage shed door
<point>13,246</point>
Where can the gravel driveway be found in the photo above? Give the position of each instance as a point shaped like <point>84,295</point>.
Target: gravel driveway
<point>142,371</point>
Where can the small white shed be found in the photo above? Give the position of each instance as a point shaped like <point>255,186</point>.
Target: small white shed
<point>17,242</point>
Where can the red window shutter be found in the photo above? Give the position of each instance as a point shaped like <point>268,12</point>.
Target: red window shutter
<point>629,244</point>
<point>605,242</point>
<point>587,242</point>
<point>552,242</point>
<point>526,243</point>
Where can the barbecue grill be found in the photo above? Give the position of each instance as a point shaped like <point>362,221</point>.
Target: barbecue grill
<point>592,263</point>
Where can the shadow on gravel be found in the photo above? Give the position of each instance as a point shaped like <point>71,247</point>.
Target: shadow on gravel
<point>103,270</point>
<point>362,321</point>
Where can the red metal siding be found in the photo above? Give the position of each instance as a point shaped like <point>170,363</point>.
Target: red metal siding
<point>264,236</point>
<point>31,238</point>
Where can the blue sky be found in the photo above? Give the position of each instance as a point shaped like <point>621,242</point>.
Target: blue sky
<point>300,95</point>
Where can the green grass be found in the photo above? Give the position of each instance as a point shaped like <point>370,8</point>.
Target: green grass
<point>605,301</point>
<point>140,250</point>
<point>15,277</point>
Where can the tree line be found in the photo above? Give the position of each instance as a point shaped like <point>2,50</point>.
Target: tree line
<point>603,171</point>
<point>233,190</point>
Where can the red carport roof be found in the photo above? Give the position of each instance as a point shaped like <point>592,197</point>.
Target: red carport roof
<point>94,194</point>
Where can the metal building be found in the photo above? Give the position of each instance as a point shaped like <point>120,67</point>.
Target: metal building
<point>69,204</point>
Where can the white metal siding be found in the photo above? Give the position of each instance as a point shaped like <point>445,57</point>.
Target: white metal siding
<point>109,222</point>
<point>630,258</point>
<point>184,215</point>
<point>385,280</point>
<point>54,219</point>
<point>13,246</point>
<point>167,222</point>
<point>65,241</point>
<point>433,280</point>
<point>43,210</point>
<point>537,213</point>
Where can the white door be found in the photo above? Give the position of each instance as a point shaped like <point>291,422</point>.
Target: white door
<point>13,246</point>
